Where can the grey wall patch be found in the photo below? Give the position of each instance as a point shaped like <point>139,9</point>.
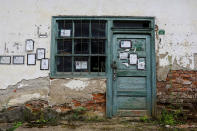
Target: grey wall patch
<point>195,61</point>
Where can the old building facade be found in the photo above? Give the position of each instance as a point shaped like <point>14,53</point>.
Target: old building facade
<point>113,58</point>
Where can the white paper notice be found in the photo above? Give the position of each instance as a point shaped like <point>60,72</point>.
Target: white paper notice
<point>40,54</point>
<point>133,59</point>
<point>44,64</point>
<point>5,59</point>
<point>29,45</point>
<point>18,60</point>
<point>81,65</point>
<point>123,55</point>
<point>65,32</point>
<point>141,63</point>
<point>125,44</point>
<point>31,59</point>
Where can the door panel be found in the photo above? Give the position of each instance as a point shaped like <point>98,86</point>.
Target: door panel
<point>136,82</point>
<point>127,102</point>
<point>131,85</point>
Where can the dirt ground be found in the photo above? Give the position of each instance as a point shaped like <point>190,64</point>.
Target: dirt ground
<point>100,126</point>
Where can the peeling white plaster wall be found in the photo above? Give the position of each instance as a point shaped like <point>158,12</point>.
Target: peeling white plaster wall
<point>77,84</point>
<point>22,99</point>
<point>21,18</point>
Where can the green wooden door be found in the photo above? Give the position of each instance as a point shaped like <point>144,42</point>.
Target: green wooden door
<point>131,77</point>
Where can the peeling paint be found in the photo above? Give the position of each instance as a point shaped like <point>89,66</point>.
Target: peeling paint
<point>24,91</point>
<point>56,91</point>
<point>23,98</point>
<point>60,94</point>
<point>77,84</point>
<point>195,61</point>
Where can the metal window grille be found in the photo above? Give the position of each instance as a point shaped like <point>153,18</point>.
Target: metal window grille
<point>81,46</point>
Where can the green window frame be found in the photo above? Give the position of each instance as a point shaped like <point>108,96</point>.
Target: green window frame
<point>111,24</point>
<point>81,52</point>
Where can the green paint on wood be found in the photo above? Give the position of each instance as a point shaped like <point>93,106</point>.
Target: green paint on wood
<point>131,103</point>
<point>132,113</point>
<point>131,88</point>
<point>138,83</point>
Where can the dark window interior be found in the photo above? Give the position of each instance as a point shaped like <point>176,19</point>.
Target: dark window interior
<point>98,46</point>
<point>131,24</point>
<point>81,46</point>
<point>81,28</point>
<point>64,64</point>
<point>98,28</point>
<point>64,46</point>
<point>97,64</point>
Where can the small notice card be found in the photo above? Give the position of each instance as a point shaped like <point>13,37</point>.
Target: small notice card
<point>5,59</point>
<point>141,64</point>
<point>31,59</point>
<point>81,65</point>
<point>133,59</point>
<point>65,33</point>
<point>123,55</point>
<point>18,59</point>
<point>125,44</point>
<point>44,64</point>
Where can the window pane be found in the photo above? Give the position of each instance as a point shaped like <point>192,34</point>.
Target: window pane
<point>98,28</point>
<point>98,64</point>
<point>64,64</point>
<point>81,46</point>
<point>64,46</point>
<point>65,28</point>
<point>98,47</point>
<point>132,24</point>
<point>82,28</point>
<point>81,64</point>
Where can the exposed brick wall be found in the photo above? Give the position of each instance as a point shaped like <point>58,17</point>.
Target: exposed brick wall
<point>179,91</point>
<point>34,109</point>
<point>98,103</point>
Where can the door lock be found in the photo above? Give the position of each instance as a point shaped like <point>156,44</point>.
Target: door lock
<point>114,67</point>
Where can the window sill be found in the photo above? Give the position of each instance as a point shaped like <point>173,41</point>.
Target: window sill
<point>79,75</point>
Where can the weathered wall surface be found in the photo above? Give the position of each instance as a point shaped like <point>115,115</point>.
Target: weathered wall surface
<point>178,92</point>
<point>57,95</point>
<point>29,19</point>
<point>55,92</point>
<point>21,20</point>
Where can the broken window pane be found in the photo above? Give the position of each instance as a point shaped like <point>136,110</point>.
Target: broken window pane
<point>82,28</point>
<point>64,46</point>
<point>97,63</point>
<point>98,46</point>
<point>64,64</point>
<point>81,46</point>
<point>98,28</point>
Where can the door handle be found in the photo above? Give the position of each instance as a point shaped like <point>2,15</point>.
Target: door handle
<point>114,67</point>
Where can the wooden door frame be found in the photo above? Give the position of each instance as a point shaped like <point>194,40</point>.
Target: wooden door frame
<point>150,32</point>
